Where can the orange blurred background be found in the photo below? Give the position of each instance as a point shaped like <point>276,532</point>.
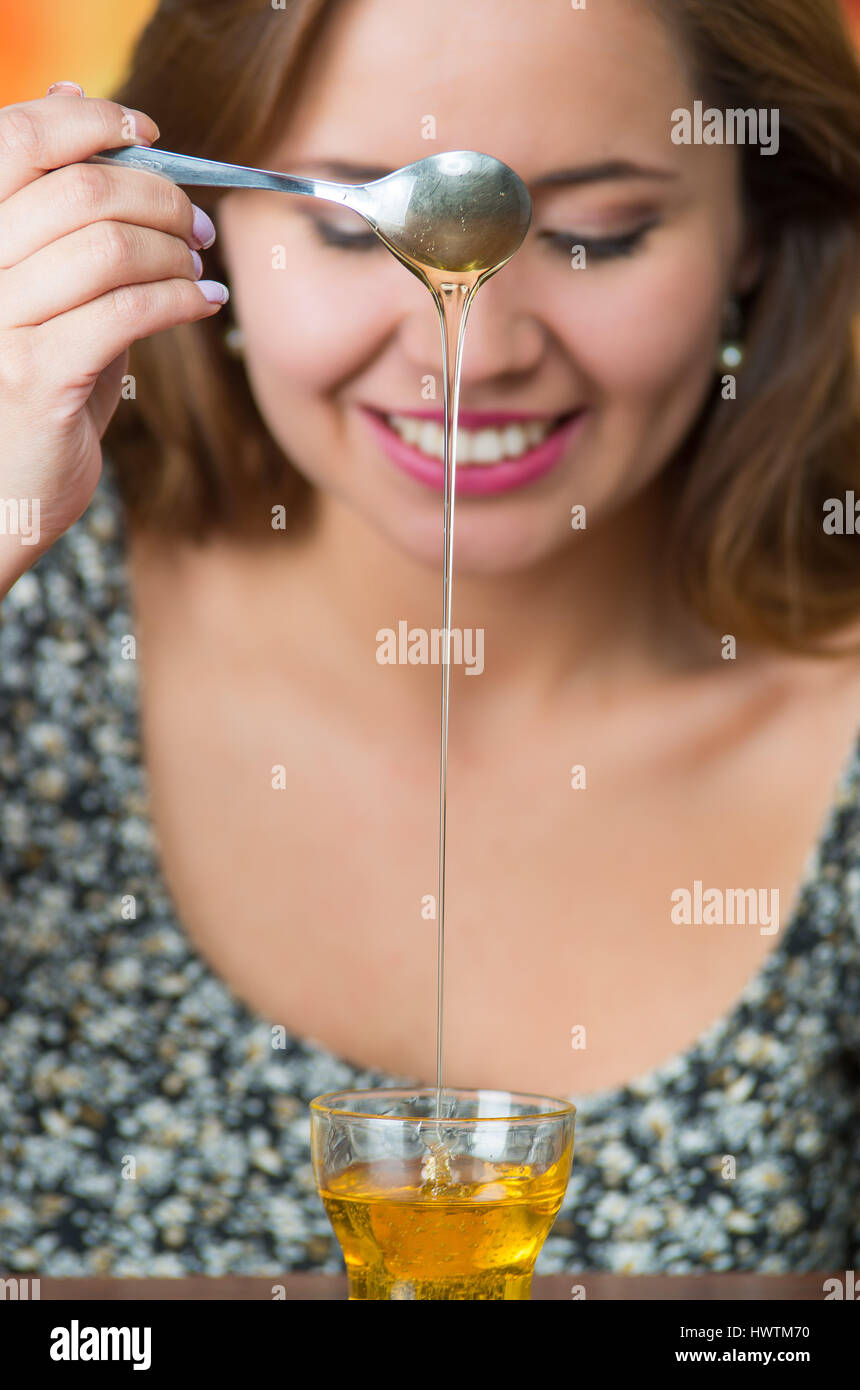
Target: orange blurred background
<point>83,41</point>
<point>89,42</point>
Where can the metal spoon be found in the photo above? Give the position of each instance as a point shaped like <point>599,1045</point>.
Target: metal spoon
<point>459,211</point>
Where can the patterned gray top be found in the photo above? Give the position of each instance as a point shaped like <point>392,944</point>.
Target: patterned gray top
<point>117,1040</point>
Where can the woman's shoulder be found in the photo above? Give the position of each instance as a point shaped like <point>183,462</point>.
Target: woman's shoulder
<point>826,690</point>
<point>824,954</point>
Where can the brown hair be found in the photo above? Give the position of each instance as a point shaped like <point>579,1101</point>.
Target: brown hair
<point>748,546</point>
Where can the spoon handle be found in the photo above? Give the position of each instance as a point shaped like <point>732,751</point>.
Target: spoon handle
<point>187,169</point>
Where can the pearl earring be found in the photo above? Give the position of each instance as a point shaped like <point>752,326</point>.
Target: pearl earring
<point>730,355</point>
<point>234,341</point>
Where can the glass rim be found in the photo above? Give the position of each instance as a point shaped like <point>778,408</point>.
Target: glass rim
<point>560,1109</point>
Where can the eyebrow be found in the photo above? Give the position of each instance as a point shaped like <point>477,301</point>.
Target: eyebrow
<point>342,171</point>
<point>609,171</point>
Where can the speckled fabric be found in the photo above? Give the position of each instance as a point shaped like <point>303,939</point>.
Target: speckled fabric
<point>117,1040</point>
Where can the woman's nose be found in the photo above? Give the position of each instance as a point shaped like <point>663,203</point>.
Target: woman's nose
<point>502,338</point>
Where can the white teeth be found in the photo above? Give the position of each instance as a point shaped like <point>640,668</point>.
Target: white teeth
<point>486,446</point>
<point>516,440</point>
<point>431,439</point>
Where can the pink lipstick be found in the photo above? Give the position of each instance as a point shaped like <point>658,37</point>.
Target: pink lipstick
<point>475,479</point>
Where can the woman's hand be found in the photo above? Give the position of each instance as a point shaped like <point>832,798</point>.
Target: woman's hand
<point>92,257</point>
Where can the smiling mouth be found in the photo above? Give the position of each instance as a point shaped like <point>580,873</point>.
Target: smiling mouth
<point>481,447</point>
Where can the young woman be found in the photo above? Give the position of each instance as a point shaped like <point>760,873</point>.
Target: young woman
<point>219,807</point>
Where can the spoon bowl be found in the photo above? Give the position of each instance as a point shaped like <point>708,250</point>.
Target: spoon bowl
<point>459,211</point>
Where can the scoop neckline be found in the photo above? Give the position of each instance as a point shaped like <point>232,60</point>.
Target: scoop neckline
<point>649,1080</point>
<point>643,1081</point>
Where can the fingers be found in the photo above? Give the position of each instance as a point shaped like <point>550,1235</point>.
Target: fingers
<point>88,263</point>
<point>78,195</point>
<point>93,257</point>
<point>96,333</point>
<point>63,128</point>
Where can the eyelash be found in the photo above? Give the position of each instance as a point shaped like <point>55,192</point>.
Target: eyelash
<point>600,248</point>
<point>596,248</point>
<point>348,241</point>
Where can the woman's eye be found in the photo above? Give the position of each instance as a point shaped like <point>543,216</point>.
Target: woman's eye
<point>596,248</point>
<point>599,248</point>
<point>349,241</point>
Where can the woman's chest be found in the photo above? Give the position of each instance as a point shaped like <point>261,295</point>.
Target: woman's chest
<point>595,925</point>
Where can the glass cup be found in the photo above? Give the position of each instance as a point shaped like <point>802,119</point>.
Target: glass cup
<point>450,1205</point>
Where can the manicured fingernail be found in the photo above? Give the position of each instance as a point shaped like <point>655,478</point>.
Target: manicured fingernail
<point>198,264</point>
<point>214,291</point>
<point>202,228</point>
<point>65,87</point>
<point>132,123</point>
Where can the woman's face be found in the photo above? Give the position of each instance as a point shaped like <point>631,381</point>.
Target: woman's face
<point>339,334</point>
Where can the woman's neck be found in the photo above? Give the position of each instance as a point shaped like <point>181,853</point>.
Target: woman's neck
<point>598,610</point>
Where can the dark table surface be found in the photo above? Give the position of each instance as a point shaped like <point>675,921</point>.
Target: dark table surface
<point>551,1286</point>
